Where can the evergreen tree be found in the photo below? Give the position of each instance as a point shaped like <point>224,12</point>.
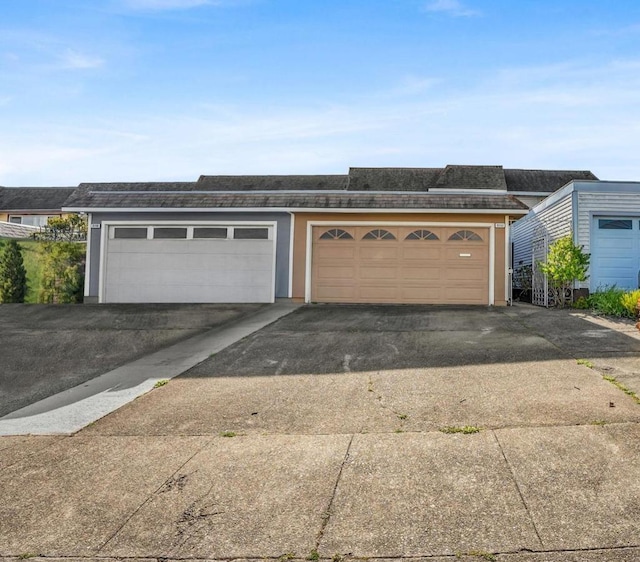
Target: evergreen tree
<point>13,276</point>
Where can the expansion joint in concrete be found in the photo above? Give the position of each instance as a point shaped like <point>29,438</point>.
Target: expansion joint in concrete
<point>517,485</point>
<point>327,514</point>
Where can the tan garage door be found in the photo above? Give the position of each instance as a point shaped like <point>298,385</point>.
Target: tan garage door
<point>372,264</point>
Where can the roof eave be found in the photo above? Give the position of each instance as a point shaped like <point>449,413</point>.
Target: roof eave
<point>446,210</point>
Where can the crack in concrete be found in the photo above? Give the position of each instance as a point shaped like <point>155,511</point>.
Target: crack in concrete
<point>193,516</point>
<point>153,494</point>
<point>515,481</point>
<point>327,513</point>
<point>380,399</point>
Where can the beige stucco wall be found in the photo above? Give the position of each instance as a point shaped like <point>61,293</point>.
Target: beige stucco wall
<point>300,240</point>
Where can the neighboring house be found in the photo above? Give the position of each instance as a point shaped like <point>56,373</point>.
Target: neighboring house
<point>32,206</point>
<point>602,216</point>
<point>390,235</point>
<point>12,230</point>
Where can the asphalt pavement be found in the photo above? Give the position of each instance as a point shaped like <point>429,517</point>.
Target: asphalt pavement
<point>358,432</point>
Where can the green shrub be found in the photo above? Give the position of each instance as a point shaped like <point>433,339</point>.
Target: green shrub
<point>13,275</point>
<point>630,303</point>
<point>582,303</point>
<point>608,300</point>
<point>566,263</point>
<point>62,272</point>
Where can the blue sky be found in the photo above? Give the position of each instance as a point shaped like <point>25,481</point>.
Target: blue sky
<point>161,90</point>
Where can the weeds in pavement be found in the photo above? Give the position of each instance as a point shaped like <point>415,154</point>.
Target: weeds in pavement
<point>465,429</point>
<point>161,383</point>
<point>313,555</point>
<point>615,382</point>
<point>228,434</point>
<point>585,362</point>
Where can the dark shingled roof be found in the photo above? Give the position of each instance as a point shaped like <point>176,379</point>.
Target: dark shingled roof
<point>141,186</point>
<point>462,177</point>
<point>393,179</point>
<point>472,177</point>
<point>543,181</point>
<point>274,183</point>
<point>34,198</point>
<point>394,188</point>
<point>347,200</point>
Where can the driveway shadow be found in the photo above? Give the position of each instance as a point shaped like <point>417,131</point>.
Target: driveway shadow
<point>333,339</point>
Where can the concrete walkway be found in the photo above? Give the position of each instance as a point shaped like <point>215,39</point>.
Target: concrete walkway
<point>342,433</point>
<point>71,410</point>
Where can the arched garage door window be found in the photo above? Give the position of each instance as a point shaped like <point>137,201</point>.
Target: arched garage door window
<point>421,235</point>
<point>336,234</point>
<point>465,235</point>
<point>378,234</point>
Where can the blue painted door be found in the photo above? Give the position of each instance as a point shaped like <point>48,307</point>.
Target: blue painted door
<point>615,252</point>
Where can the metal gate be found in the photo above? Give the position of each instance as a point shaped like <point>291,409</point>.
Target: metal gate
<point>539,283</point>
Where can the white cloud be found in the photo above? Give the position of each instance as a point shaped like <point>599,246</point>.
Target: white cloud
<point>74,60</point>
<point>451,7</point>
<point>414,85</point>
<point>570,116</point>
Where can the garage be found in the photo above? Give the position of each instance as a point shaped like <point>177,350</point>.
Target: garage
<point>188,263</point>
<point>400,264</point>
<point>615,252</point>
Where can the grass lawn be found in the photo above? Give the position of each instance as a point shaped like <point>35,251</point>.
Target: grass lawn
<point>33,265</point>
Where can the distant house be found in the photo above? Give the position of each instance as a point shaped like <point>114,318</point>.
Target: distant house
<point>374,235</point>
<point>12,230</point>
<point>602,216</point>
<point>32,206</point>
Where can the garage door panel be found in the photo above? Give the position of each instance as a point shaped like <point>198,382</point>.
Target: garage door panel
<point>377,251</point>
<point>468,295</point>
<point>616,244</point>
<point>466,274</point>
<point>336,272</point>
<point>420,294</point>
<point>465,254</point>
<point>425,274</point>
<point>378,273</point>
<point>420,269</point>
<point>378,294</point>
<point>336,293</point>
<point>335,251</point>
<point>421,253</point>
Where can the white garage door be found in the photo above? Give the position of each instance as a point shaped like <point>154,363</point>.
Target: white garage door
<point>615,252</point>
<point>189,264</point>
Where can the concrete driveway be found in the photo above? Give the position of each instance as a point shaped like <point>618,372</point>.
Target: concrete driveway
<point>45,349</point>
<point>337,433</point>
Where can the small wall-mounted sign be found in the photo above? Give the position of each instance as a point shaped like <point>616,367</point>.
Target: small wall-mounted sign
<point>501,225</point>
<point>465,255</point>
<point>96,225</point>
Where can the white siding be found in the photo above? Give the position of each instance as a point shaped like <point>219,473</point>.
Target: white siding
<point>555,221</point>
